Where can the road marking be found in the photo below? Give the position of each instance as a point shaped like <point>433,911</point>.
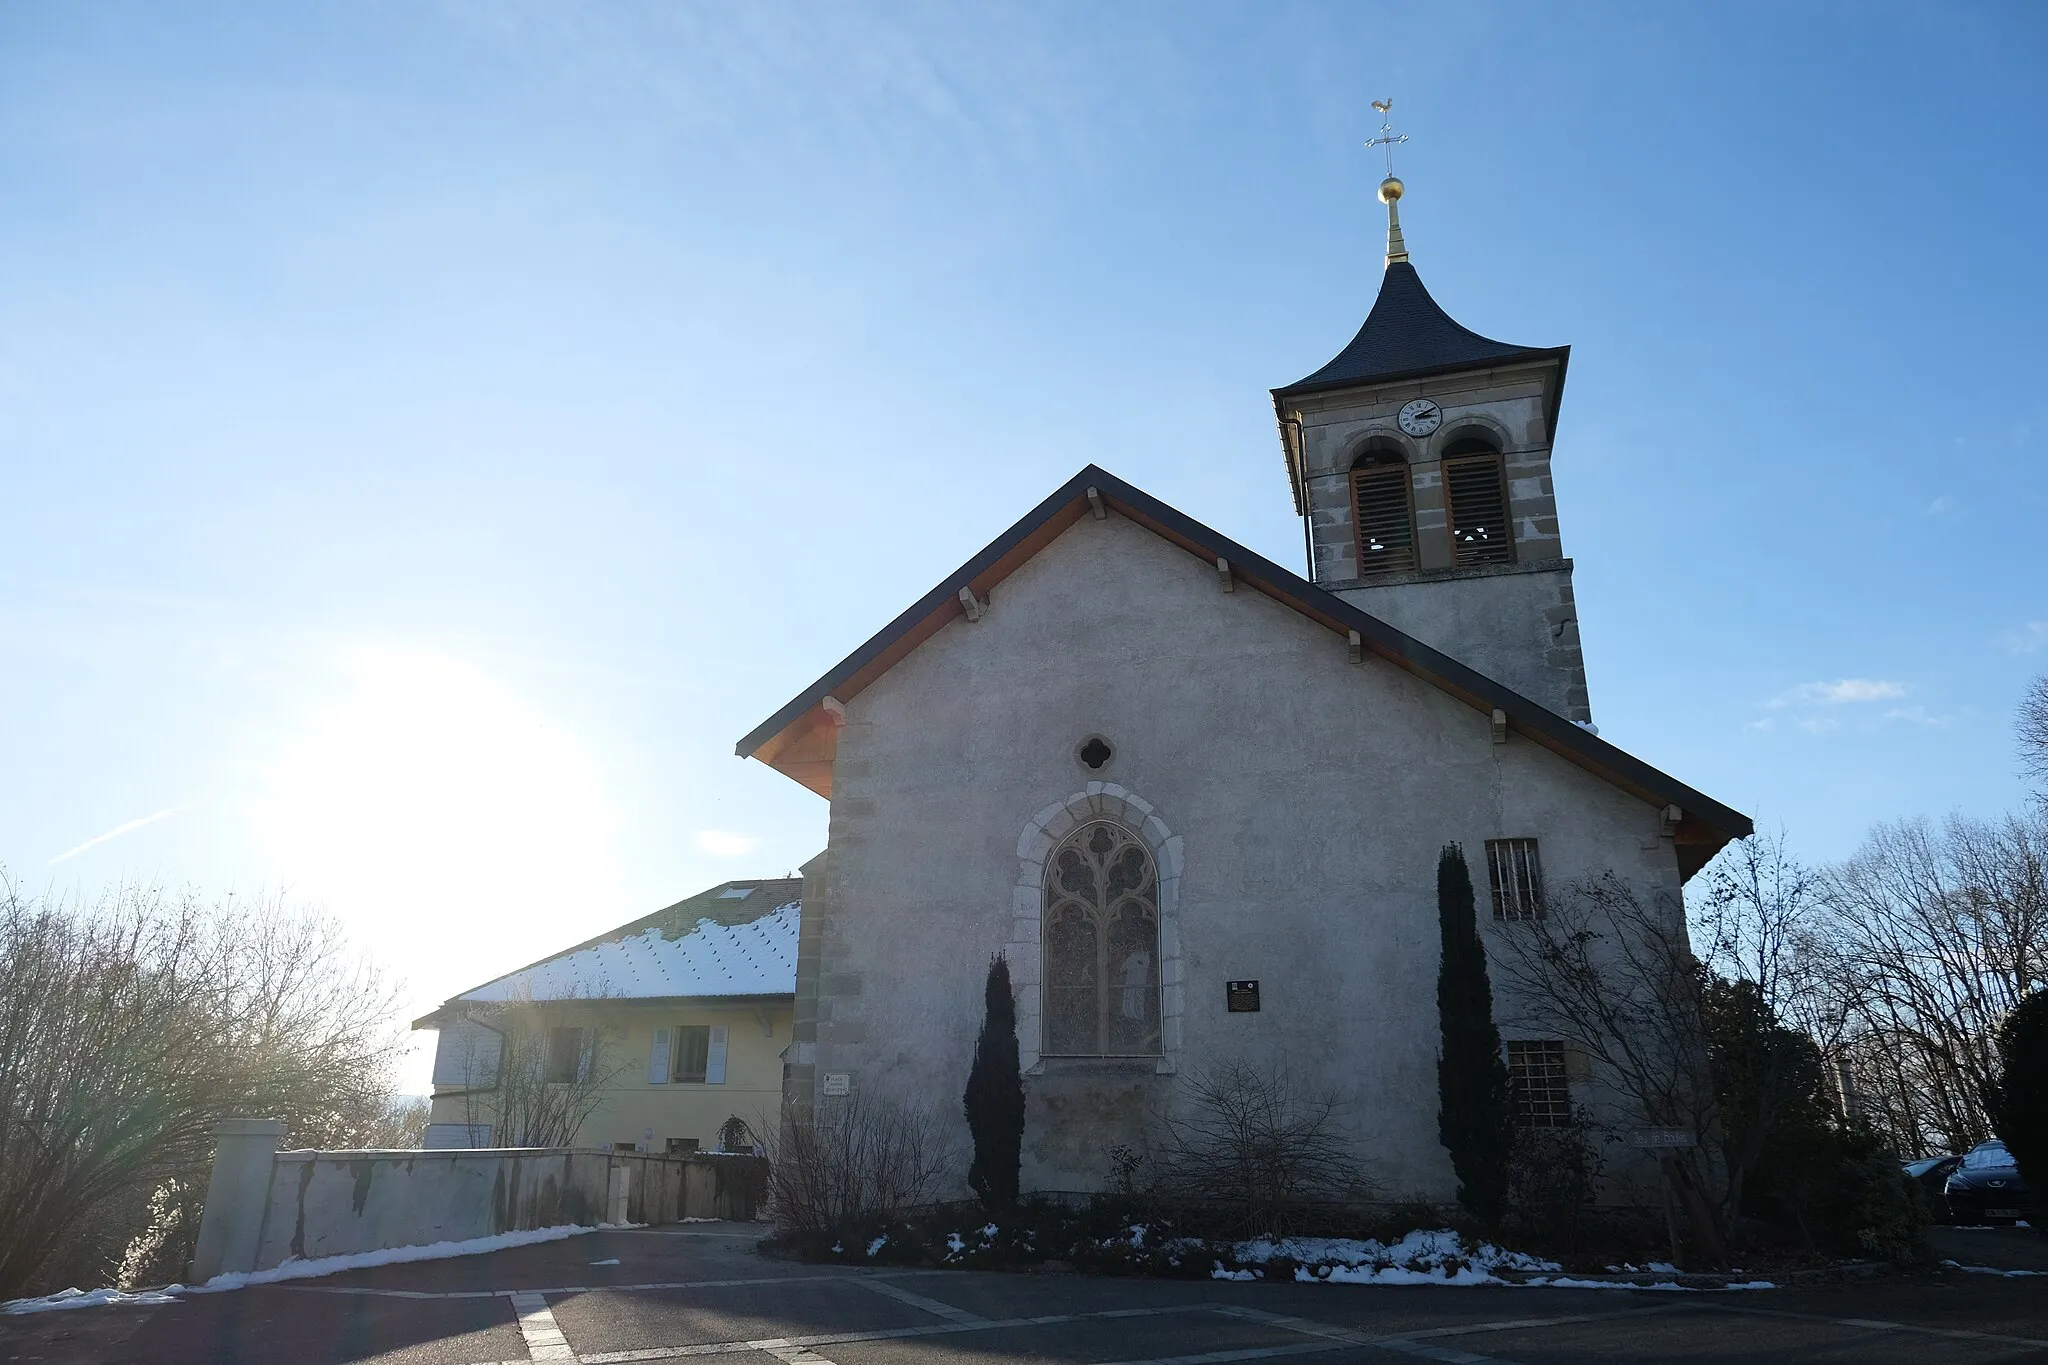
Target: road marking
<point>377,1292</point>
<point>544,1340</point>
<point>794,1355</point>
<point>1874,1325</point>
<point>944,1310</point>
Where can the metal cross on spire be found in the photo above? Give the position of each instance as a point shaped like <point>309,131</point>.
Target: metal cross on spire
<point>1388,138</point>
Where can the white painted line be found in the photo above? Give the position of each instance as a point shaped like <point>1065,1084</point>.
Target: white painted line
<point>374,1292</point>
<point>933,1306</point>
<point>795,1355</point>
<point>544,1340</point>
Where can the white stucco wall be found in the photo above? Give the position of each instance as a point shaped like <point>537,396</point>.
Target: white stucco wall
<point>1309,795</point>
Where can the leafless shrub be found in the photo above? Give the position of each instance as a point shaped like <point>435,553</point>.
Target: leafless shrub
<point>1258,1148</point>
<point>2031,728</point>
<point>129,1029</point>
<point>864,1159</point>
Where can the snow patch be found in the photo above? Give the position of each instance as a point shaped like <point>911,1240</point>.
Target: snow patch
<point>296,1269</point>
<point>1421,1257</point>
<point>1992,1270</point>
<point>89,1298</point>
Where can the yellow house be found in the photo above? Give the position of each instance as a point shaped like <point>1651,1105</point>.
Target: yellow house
<point>663,1035</point>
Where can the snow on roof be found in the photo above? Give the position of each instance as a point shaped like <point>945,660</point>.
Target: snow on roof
<point>754,958</point>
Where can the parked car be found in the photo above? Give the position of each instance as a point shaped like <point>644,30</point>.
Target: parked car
<point>1986,1187</point>
<point>1930,1174</point>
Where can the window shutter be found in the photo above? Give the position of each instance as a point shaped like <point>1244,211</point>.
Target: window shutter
<point>714,1065</point>
<point>466,1055</point>
<point>1386,527</point>
<point>587,1040</point>
<point>657,1059</point>
<point>1479,511</point>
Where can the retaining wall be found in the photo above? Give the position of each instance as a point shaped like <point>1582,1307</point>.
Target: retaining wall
<point>336,1203</point>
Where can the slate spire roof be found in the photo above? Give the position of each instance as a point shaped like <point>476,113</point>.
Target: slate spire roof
<point>1407,333</point>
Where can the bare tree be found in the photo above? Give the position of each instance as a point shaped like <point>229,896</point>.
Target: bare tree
<point>550,1078</point>
<point>1254,1143</point>
<point>1938,933</point>
<point>864,1159</point>
<point>2031,728</point>
<point>1760,915</point>
<point>1614,976</point>
<point>129,1029</point>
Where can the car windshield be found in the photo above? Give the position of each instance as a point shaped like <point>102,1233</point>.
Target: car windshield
<point>1990,1154</point>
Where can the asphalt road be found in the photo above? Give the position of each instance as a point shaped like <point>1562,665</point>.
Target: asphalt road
<point>676,1293</point>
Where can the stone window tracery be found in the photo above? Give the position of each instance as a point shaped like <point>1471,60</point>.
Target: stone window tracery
<point>1101,945</point>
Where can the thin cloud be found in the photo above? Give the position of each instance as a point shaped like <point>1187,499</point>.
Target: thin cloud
<point>724,844</point>
<point>1937,507</point>
<point>1839,693</point>
<point>1916,715</point>
<point>115,833</point>
<point>2030,638</point>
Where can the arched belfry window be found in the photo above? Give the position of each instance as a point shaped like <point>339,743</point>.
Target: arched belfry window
<point>1476,498</point>
<point>1101,945</point>
<point>1383,512</point>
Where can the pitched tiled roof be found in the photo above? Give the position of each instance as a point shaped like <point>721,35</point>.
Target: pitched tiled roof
<point>801,739</point>
<point>1407,333</point>
<point>736,939</point>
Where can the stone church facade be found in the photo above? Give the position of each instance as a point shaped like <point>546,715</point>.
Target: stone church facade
<point>1145,763</point>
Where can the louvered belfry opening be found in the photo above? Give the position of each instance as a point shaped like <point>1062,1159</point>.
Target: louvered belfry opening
<point>1477,496</point>
<point>1384,515</point>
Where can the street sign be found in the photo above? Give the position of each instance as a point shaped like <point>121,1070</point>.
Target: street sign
<point>1663,1137</point>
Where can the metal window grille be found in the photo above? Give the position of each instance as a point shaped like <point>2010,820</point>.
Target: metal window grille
<point>1385,518</point>
<point>1517,878</point>
<point>1478,497</point>
<point>1537,1081</point>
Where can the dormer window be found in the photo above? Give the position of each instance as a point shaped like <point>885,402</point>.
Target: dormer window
<point>1476,498</point>
<point>1383,512</point>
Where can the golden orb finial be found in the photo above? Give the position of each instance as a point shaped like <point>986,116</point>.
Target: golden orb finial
<point>1390,190</point>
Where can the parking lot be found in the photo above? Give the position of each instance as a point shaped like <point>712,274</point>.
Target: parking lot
<point>673,1293</point>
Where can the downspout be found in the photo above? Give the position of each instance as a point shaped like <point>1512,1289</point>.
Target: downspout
<point>1308,544</point>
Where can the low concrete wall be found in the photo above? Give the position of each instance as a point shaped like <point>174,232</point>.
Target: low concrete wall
<point>338,1203</point>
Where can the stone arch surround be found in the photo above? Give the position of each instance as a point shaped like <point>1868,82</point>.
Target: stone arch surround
<point>1042,834</point>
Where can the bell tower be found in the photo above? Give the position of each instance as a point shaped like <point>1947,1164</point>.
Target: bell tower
<point>1419,461</point>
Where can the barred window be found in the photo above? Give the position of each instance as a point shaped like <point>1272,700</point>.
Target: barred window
<point>1537,1081</point>
<point>1384,514</point>
<point>1517,878</point>
<point>1475,490</point>
<point>1101,932</point>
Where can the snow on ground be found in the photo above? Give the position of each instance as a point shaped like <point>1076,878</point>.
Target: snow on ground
<point>296,1269</point>
<point>80,1298</point>
<point>1439,1257</point>
<point>1993,1270</point>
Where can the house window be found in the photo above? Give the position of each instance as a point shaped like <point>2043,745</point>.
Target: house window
<point>1101,945</point>
<point>1517,878</point>
<point>1537,1081</point>
<point>692,1053</point>
<point>565,1056</point>
<point>1383,513</point>
<point>1475,490</point>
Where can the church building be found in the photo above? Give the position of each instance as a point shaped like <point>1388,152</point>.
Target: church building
<point>1197,800</point>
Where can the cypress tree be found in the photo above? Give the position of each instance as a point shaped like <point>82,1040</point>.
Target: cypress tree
<point>2020,1102</point>
<point>995,1096</point>
<point>1473,1115</point>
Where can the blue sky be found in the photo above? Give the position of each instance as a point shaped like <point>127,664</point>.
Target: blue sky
<point>432,434</point>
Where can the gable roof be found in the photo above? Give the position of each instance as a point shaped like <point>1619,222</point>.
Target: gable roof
<point>737,939</point>
<point>799,740</point>
<point>1408,334</point>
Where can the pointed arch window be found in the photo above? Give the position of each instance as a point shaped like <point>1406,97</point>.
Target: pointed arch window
<point>1383,510</point>
<point>1101,945</point>
<point>1476,495</point>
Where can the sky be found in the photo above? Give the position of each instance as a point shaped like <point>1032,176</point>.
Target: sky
<point>431,434</point>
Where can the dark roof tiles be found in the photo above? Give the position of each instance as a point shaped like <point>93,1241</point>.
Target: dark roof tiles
<point>1407,333</point>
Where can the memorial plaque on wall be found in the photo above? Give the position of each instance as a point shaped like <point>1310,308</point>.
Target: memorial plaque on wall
<point>1242,997</point>
<point>838,1083</point>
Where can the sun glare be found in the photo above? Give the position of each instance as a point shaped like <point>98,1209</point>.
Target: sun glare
<point>444,818</point>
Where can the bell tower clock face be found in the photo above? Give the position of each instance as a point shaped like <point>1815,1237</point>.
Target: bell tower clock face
<point>1420,417</point>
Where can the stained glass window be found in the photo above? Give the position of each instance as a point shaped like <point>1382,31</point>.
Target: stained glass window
<point>1101,945</point>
